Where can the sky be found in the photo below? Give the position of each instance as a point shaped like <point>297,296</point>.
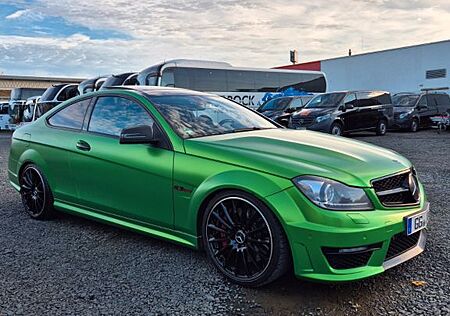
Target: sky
<point>86,38</point>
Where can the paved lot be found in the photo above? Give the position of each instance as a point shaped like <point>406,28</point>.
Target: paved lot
<point>75,266</point>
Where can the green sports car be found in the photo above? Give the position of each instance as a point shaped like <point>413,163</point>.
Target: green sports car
<point>205,172</point>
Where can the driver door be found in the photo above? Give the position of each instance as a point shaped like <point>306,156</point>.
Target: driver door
<point>125,180</point>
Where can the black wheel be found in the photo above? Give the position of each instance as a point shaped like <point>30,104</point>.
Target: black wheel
<point>35,192</point>
<point>244,239</point>
<point>336,129</point>
<point>381,128</point>
<point>414,127</point>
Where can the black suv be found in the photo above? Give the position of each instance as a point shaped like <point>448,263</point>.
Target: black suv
<point>344,112</point>
<point>280,109</point>
<point>414,110</point>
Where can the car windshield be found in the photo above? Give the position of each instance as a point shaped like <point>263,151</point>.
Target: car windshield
<point>276,104</point>
<point>202,115</point>
<point>326,100</point>
<point>407,100</point>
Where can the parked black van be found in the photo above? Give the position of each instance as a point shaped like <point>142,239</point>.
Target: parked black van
<point>414,110</point>
<point>280,109</point>
<point>344,112</point>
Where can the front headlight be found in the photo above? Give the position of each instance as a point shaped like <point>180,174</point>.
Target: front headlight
<point>323,118</point>
<point>333,195</point>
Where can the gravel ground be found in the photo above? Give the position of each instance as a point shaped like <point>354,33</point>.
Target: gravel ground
<point>74,266</point>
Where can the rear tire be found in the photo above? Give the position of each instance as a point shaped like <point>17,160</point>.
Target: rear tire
<point>244,240</point>
<point>381,128</point>
<point>37,198</point>
<point>336,129</point>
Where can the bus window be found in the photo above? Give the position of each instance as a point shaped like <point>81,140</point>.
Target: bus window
<point>266,81</point>
<point>240,80</point>
<point>167,78</point>
<point>209,79</point>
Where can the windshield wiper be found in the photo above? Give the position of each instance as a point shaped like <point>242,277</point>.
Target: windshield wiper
<point>247,129</point>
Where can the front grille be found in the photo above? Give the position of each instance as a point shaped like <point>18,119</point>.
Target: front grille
<point>302,121</point>
<point>397,190</point>
<point>401,243</point>
<point>338,260</point>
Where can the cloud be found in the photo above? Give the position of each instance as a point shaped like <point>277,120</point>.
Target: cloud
<point>16,14</point>
<point>246,33</point>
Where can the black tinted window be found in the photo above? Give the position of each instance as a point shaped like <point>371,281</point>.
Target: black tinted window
<point>112,114</point>
<point>431,100</point>
<point>442,99</point>
<point>68,93</point>
<point>209,79</point>
<point>71,116</point>
<point>239,81</point>
<point>371,98</point>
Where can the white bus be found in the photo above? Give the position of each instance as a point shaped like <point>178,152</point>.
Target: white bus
<point>248,86</point>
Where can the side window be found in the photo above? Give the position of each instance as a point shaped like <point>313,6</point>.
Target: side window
<point>112,114</point>
<point>422,101</point>
<point>371,98</point>
<point>71,116</point>
<point>350,99</point>
<point>431,100</point>
<point>167,79</point>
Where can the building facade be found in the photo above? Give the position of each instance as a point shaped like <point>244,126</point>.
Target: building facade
<point>406,69</point>
<point>7,83</point>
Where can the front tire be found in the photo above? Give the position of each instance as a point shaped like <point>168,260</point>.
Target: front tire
<point>381,128</point>
<point>336,129</point>
<point>37,197</point>
<point>244,240</point>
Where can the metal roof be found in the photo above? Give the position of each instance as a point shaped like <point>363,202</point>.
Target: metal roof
<point>35,78</point>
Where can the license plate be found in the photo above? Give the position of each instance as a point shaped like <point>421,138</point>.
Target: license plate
<point>300,128</point>
<point>416,222</point>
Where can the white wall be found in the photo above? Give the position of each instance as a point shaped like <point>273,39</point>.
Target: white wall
<point>397,70</point>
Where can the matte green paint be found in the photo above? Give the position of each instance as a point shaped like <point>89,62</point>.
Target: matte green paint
<point>132,185</point>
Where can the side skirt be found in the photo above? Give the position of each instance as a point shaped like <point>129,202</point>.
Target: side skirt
<point>151,230</point>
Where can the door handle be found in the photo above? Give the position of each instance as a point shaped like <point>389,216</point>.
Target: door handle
<point>82,145</point>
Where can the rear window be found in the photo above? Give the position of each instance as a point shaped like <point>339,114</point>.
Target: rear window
<point>71,116</point>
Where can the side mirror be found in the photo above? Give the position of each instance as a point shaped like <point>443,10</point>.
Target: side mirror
<point>142,134</point>
<point>348,106</point>
<point>422,107</point>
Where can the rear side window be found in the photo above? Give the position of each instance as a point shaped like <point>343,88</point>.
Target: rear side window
<point>371,98</point>
<point>431,100</point>
<point>112,114</point>
<point>71,116</point>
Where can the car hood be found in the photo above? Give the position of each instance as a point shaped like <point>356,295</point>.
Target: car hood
<point>290,153</point>
<point>272,113</point>
<point>314,112</point>
<point>403,109</point>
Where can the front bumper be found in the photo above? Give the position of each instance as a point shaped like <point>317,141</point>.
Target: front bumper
<point>311,235</point>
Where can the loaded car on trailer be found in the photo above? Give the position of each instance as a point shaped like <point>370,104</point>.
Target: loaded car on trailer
<point>345,112</point>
